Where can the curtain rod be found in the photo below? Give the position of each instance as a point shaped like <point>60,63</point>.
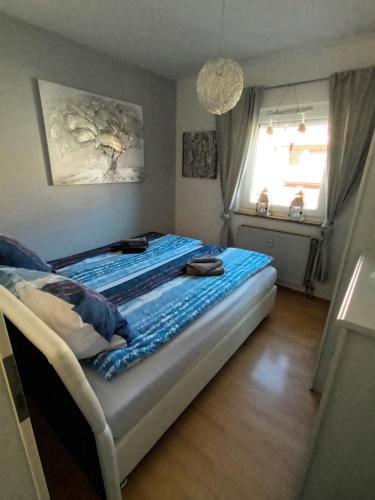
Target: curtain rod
<point>296,83</point>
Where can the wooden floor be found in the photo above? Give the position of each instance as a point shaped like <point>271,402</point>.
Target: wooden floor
<point>244,436</point>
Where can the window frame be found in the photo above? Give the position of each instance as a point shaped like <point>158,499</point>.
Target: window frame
<point>316,97</point>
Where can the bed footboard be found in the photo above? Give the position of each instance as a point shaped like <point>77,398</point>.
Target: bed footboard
<point>54,379</point>
<point>132,447</point>
<point>42,385</point>
<point>52,376</point>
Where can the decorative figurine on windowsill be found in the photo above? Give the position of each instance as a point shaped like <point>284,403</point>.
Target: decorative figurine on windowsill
<point>263,206</point>
<point>296,207</point>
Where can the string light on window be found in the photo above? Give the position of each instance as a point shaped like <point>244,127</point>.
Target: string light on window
<point>269,129</point>
<point>302,126</point>
<point>283,111</point>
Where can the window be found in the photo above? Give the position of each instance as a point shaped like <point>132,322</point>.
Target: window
<point>286,160</point>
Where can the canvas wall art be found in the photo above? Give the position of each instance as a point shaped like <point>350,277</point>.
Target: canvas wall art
<point>91,139</point>
<point>199,155</point>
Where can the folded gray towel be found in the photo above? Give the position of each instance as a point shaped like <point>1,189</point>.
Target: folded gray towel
<point>192,271</point>
<point>206,259</point>
<point>204,266</point>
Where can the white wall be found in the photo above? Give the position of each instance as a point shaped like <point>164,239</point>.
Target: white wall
<point>360,240</point>
<point>15,475</point>
<point>61,220</point>
<point>198,201</point>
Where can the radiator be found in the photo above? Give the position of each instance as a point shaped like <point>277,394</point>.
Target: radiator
<point>290,253</point>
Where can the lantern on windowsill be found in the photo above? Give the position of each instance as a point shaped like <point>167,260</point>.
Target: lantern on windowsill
<point>263,205</point>
<point>296,207</point>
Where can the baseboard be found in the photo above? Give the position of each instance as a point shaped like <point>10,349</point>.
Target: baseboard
<point>314,298</point>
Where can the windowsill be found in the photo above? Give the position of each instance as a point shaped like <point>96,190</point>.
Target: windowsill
<point>306,222</point>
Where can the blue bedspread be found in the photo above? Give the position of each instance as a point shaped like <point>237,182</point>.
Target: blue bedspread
<point>152,292</point>
<point>157,276</point>
<point>158,316</point>
<point>105,270</point>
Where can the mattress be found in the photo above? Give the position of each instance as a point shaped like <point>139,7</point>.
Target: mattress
<point>131,395</point>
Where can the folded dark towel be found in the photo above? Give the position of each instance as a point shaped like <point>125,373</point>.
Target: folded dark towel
<point>135,242</point>
<point>204,266</point>
<point>134,245</point>
<point>133,249</point>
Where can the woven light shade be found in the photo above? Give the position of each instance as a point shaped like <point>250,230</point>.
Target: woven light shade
<point>220,85</point>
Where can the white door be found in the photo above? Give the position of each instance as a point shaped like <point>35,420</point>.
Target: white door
<point>21,473</point>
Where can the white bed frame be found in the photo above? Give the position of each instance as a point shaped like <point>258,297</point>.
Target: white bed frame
<point>119,457</point>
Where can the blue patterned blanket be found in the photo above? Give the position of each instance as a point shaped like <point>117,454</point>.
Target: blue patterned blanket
<point>147,281</point>
<point>152,292</point>
<point>105,270</point>
<point>58,264</point>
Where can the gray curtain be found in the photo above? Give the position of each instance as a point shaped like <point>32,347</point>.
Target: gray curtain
<point>351,125</point>
<point>235,131</point>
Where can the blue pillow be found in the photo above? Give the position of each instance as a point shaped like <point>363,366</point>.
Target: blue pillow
<point>83,318</point>
<point>93,308</point>
<point>13,253</point>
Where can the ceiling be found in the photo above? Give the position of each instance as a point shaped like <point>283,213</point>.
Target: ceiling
<point>175,37</point>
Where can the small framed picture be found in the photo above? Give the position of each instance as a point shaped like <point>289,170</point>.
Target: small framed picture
<point>199,155</point>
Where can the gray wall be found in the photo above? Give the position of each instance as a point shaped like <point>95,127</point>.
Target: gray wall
<point>60,220</point>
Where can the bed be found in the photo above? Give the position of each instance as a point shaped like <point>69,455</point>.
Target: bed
<point>108,426</point>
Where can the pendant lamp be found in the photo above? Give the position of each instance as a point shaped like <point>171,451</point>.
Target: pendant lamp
<point>220,82</point>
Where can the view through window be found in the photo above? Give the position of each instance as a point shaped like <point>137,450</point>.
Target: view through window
<point>287,161</point>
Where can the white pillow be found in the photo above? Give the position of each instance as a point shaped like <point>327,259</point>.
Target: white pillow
<point>57,313</point>
<point>81,337</point>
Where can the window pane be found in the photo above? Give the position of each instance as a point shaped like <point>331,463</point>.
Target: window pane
<point>287,161</point>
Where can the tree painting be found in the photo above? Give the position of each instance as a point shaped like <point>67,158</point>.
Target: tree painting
<point>91,138</point>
